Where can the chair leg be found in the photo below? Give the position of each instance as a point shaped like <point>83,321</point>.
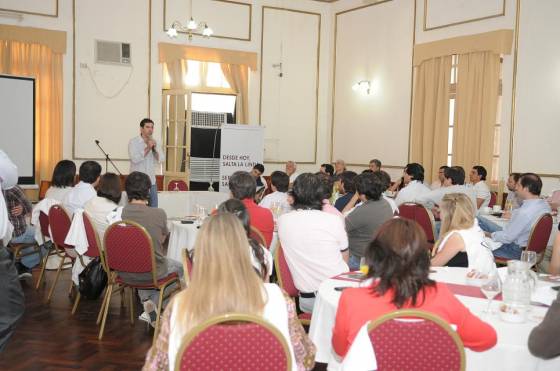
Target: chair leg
<point>159,310</point>
<point>55,280</point>
<point>43,265</point>
<point>76,302</point>
<point>71,287</point>
<point>102,306</point>
<point>105,310</point>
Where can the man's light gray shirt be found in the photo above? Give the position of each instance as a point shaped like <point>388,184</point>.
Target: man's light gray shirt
<point>144,164</point>
<point>521,222</point>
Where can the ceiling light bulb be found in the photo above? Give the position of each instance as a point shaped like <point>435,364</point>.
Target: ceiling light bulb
<point>207,31</point>
<point>192,25</point>
<point>172,32</point>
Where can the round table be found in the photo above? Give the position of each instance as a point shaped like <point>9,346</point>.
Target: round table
<point>178,204</point>
<point>510,353</point>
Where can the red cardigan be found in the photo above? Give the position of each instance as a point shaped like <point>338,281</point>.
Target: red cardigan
<point>359,305</point>
<point>260,218</point>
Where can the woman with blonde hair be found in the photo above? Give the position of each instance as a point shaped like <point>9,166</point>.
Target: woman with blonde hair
<point>461,242</point>
<point>223,281</point>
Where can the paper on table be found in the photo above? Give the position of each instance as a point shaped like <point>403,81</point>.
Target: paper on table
<point>545,295</point>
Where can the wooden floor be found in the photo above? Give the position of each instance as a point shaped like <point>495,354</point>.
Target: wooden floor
<point>49,338</point>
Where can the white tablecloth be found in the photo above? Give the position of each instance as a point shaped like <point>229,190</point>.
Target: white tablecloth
<point>180,204</point>
<point>510,353</point>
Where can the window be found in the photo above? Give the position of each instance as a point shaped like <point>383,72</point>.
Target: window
<point>205,75</point>
<point>494,176</point>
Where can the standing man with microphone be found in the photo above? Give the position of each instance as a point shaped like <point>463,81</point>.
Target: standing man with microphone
<point>145,156</point>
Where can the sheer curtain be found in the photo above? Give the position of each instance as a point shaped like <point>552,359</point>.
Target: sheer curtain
<point>39,61</point>
<point>237,76</point>
<point>430,115</point>
<point>478,81</point>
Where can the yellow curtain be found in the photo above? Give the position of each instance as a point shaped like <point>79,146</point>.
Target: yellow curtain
<point>477,99</point>
<point>237,77</point>
<point>41,62</point>
<point>430,115</point>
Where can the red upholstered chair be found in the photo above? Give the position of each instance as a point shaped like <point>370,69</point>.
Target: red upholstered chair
<point>129,248</point>
<point>59,222</point>
<point>538,238</point>
<point>177,185</point>
<point>493,198</point>
<point>234,342</point>
<point>45,234</point>
<point>286,281</point>
<point>422,216</point>
<point>268,180</point>
<point>415,340</point>
<point>406,210</point>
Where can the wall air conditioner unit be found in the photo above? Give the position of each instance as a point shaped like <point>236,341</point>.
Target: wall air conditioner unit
<point>111,52</point>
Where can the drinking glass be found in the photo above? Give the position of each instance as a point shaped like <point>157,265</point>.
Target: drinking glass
<point>529,257</point>
<point>364,267</point>
<point>490,288</point>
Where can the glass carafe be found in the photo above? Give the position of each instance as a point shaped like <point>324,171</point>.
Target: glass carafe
<point>516,291</point>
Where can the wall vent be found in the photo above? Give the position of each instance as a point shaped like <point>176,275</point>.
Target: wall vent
<point>110,52</point>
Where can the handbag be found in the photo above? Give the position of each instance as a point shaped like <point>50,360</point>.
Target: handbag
<point>92,280</point>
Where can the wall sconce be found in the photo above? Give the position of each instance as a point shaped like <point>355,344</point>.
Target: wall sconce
<point>363,86</point>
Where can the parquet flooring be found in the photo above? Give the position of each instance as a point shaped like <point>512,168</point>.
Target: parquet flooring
<point>49,338</point>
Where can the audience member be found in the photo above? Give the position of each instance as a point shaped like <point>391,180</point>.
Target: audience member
<point>279,183</point>
<point>84,191</point>
<point>398,278</point>
<point>314,242</point>
<point>514,236</point>
<point>243,187</point>
<point>362,223</point>
<point>223,281</point>
<point>260,255</point>
<point>108,197</point>
<point>438,183</point>
<point>291,168</point>
<point>512,201</point>
<point>454,182</point>
<point>375,165</point>
<point>346,188</point>
<point>154,220</point>
<point>543,340</point>
<point>387,181</point>
<point>339,167</point>
<point>19,211</point>
<point>327,169</point>
<point>461,239</point>
<point>327,189</point>
<point>257,172</point>
<point>62,182</point>
<point>413,180</point>
<point>477,176</point>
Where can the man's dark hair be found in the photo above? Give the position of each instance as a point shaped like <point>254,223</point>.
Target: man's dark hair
<point>137,186</point>
<point>515,176</point>
<point>280,180</point>
<point>259,167</point>
<point>481,171</point>
<point>242,185</point>
<point>307,192</point>
<point>329,169</point>
<point>326,184</point>
<point>89,171</point>
<point>110,187</point>
<point>376,162</point>
<point>455,174</point>
<point>146,121</point>
<point>367,171</point>
<point>444,167</point>
<point>347,180</point>
<point>370,185</point>
<point>64,174</point>
<point>532,182</point>
<point>415,170</point>
<point>386,179</point>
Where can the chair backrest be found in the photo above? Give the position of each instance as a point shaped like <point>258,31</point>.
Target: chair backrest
<point>177,184</point>
<point>129,248</point>
<point>44,224</point>
<point>257,235</point>
<point>234,342</point>
<point>422,216</point>
<point>493,198</point>
<point>406,210</point>
<point>285,279</point>
<point>540,233</point>
<point>59,223</point>
<point>43,187</point>
<point>415,340</point>
<point>94,246</point>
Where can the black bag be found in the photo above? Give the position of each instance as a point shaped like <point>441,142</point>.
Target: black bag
<point>93,280</point>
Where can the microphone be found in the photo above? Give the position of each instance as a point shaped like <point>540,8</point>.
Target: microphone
<point>96,141</point>
<point>154,147</point>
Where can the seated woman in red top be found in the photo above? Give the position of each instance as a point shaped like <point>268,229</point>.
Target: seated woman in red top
<point>398,269</point>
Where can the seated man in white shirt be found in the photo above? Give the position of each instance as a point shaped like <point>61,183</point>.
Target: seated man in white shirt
<point>85,189</point>
<point>280,182</point>
<point>291,168</point>
<point>413,178</point>
<point>438,183</point>
<point>477,177</point>
<point>454,182</point>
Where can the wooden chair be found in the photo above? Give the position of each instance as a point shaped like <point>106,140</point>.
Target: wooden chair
<point>232,342</point>
<point>129,248</point>
<point>538,238</point>
<point>286,281</point>
<point>177,185</point>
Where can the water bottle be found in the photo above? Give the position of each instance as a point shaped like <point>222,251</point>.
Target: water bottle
<point>516,292</point>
